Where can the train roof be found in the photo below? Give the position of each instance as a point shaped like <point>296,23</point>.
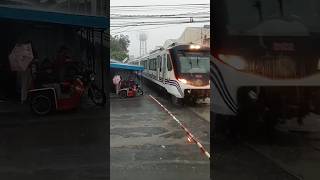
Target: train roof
<point>171,46</point>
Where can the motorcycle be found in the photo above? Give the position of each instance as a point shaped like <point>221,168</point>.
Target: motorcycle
<point>97,95</point>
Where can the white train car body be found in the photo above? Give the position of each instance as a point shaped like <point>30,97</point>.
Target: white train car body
<point>181,69</point>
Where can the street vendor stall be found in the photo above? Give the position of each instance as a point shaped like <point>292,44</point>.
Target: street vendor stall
<point>126,77</point>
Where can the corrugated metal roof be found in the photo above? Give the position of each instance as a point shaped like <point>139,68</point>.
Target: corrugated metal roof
<point>119,65</point>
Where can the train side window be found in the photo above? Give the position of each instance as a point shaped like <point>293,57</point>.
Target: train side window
<point>159,62</point>
<point>154,64</point>
<point>151,64</point>
<point>169,65</point>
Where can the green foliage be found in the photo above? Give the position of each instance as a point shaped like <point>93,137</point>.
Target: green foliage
<point>119,47</point>
<point>118,55</point>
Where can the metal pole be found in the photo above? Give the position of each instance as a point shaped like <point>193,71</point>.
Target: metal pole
<point>88,47</point>
<point>102,61</point>
<point>93,51</point>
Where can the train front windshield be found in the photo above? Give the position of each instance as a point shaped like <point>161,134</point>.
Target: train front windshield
<point>193,62</point>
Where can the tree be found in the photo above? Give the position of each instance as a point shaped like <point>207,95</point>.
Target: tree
<point>119,47</point>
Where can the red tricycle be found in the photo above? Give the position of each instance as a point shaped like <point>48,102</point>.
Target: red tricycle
<point>56,96</point>
<point>65,95</point>
<point>129,89</point>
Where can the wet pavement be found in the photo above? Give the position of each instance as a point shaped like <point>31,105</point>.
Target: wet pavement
<point>63,145</point>
<point>146,143</point>
<point>292,154</point>
<point>296,147</point>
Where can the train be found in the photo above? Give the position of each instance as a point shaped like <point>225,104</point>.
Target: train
<point>181,69</point>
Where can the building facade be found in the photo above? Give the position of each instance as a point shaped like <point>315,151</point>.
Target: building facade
<point>196,35</point>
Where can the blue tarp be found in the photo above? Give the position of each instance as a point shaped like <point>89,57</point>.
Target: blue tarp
<point>11,13</point>
<point>126,66</point>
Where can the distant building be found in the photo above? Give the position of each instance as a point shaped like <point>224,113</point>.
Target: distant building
<point>196,35</point>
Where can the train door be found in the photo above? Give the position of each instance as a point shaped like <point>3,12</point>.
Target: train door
<point>163,67</point>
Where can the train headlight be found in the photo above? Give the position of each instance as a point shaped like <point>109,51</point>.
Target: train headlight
<point>195,46</point>
<point>237,62</point>
<point>183,81</point>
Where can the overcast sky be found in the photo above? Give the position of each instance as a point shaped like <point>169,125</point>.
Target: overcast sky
<point>156,35</point>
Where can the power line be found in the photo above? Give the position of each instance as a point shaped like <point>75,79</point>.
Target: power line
<point>166,5</point>
<point>158,16</point>
<point>127,19</point>
<point>126,30</point>
<point>120,20</point>
<point>132,29</point>
<point>161,23</point>
<point>117,15</point>
<point>179,14</point>
<point>190,19</point>
<point>151,22</point>
<point>163,7</point>
<point>157,9</point>
<point>203,16</point>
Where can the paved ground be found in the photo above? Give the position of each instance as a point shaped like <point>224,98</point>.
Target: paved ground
<point>293,154</point>
<point>296,148</point>
<point>71,145</point>
<point>146,143</point>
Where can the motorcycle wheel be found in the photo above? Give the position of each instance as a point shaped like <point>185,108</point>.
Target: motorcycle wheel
<point>97,95</point>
